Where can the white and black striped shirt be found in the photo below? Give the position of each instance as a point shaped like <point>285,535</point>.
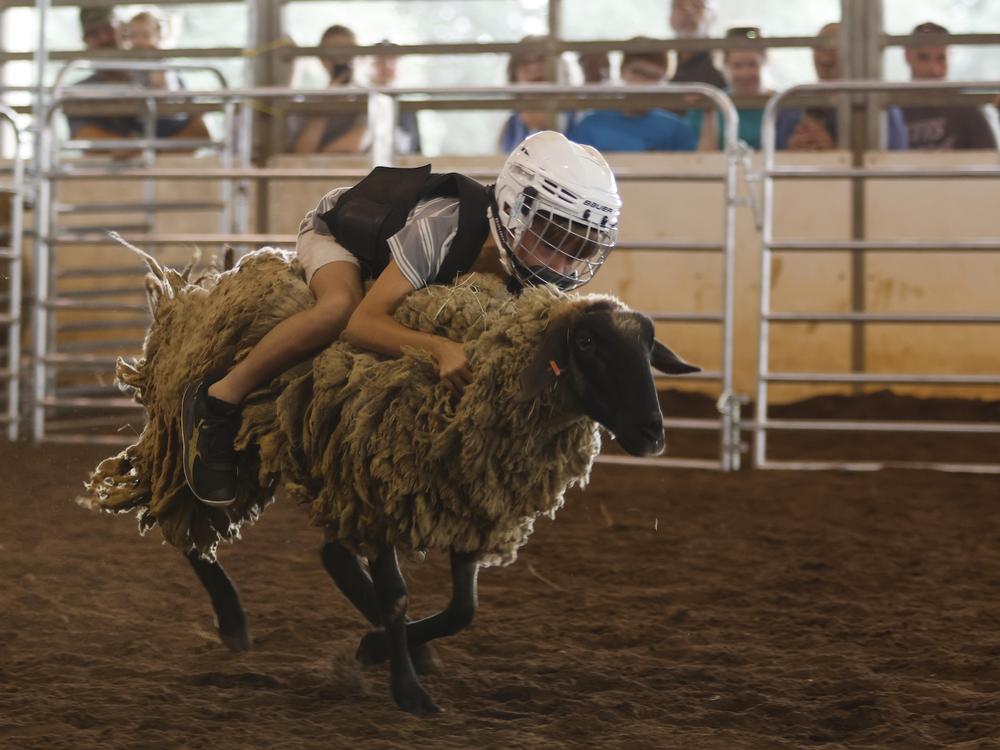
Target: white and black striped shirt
<point>419,248</point>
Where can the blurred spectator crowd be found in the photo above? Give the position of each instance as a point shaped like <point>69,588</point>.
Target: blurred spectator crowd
<point>740,71</point>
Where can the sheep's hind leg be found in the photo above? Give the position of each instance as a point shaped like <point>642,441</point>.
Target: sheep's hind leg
<point>229,618</point>
<point>391,594</point>
<point>457,616</point>
<point>345,568</point>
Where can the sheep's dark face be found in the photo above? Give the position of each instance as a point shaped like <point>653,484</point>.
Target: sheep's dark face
<point>603,353</point>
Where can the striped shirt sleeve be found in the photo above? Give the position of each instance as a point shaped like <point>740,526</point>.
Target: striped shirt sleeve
<point>420,247</point>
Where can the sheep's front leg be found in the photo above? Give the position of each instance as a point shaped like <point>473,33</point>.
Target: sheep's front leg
<point>457,616</point>
<point>345,568</point>
<point>390,592</point>
<point>229,617</point>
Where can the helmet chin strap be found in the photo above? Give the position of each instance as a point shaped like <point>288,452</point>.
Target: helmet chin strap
<point>515,284</point>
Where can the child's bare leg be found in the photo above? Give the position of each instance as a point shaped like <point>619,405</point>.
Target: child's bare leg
<point>210,412</point>
<point>337,287</point>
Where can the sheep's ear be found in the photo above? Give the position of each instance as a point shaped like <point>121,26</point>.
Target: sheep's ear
<point>554,347</point>
<point>669,363</point>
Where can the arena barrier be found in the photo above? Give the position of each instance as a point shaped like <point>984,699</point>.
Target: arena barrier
<point>65,377</point>
<point>10,254</point>
<point>383,107</point>
<point>855,373</point>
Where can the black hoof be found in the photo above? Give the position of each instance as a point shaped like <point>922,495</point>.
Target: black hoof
<point>236,640</point>
<point>413,699</point>
<point>374,649</point>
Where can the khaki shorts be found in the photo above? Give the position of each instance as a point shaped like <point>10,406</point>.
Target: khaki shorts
<point>316,250</point>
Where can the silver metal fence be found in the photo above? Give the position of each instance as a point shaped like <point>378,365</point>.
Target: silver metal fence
<point>10,252</point>
<point>54,236</point>
<point>383,107</point>
<point>769,318</point>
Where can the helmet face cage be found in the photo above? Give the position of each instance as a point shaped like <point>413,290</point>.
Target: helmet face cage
<point>547,247</point>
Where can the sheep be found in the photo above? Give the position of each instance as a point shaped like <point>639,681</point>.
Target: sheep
<point>384,455</point>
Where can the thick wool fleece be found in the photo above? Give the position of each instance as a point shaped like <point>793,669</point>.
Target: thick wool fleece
<point>379,448</point>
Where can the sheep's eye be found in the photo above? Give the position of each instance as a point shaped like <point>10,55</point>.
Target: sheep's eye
<point>584,341</point>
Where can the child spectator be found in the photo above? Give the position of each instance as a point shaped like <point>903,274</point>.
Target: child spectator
<point>936,127</point>
<point>338,132</point>
<point>144,31</point>
<point>744,69</point>
<point>526,67</point>
<point>637,130</point>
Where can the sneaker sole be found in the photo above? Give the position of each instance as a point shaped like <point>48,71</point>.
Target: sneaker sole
<point>187,408</point>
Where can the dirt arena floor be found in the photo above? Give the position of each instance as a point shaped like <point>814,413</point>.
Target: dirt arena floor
<point>662,609</point>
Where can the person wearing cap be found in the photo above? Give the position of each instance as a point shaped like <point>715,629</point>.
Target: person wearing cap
<point>744,71</point>
<point>815,128</point>
<point>101,30</point>
<point>637,130</point>
<point>550,218</point>
<point>941,127</point>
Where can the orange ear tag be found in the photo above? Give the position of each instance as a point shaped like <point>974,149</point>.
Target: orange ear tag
<point>555,368</point>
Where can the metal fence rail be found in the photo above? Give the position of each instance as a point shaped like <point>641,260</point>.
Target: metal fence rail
<point>383,108</point>
<point>11,257</point>
<point>54,239</point>
<point>770,318</point>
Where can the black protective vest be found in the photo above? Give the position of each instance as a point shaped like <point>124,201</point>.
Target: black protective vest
<point>371,212</point>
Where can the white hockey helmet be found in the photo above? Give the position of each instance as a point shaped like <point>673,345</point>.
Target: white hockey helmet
<point>554,211</point>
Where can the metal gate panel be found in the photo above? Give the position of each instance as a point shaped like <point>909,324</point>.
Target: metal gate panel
<point>770,318</point>
<point>383,109</point>
<point>11,259</point>
<point>74,381</point>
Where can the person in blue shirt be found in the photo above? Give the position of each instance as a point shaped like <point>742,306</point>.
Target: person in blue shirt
<point>642,130</point>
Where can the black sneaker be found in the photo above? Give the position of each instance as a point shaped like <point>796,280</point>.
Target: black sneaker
<point>208,428</point>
